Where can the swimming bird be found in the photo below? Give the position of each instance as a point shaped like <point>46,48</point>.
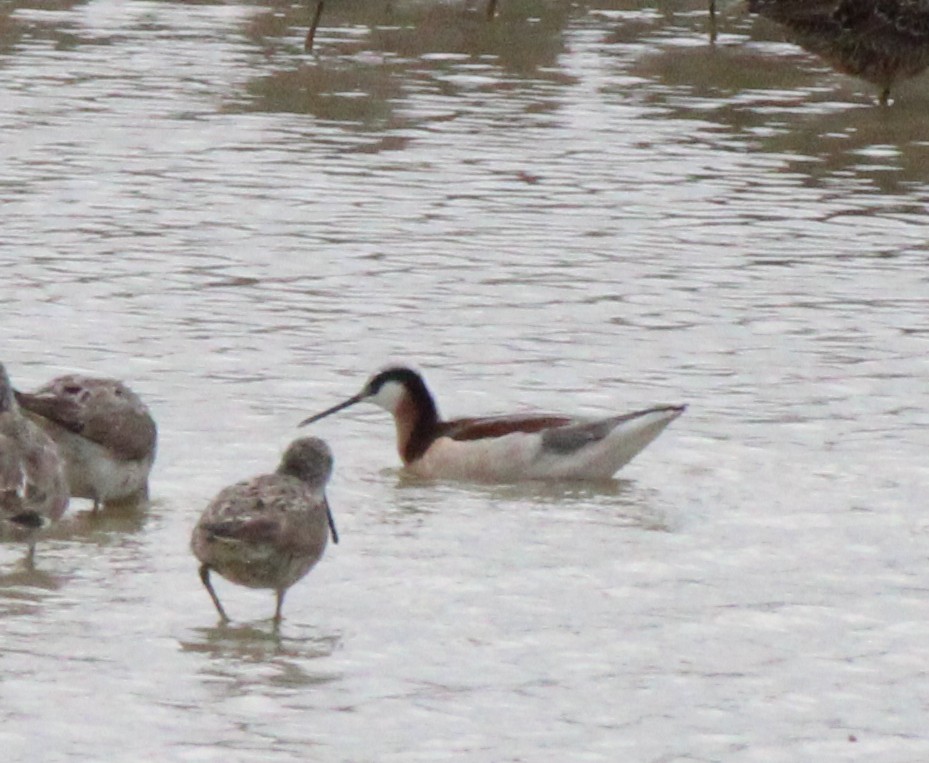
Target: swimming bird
<point>269,531</point>
<point>881,41</point>
<point>33,486</point>
<point>504,448</point>
<point>104,432</point>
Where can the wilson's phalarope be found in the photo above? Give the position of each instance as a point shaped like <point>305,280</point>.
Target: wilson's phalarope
<point>881,42</point>
<point>269,531</point>
<point>104,432</point>
<point>504,448</point>
<point>33,486</point>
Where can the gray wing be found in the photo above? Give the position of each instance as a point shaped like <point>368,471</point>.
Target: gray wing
<point>574,437</point>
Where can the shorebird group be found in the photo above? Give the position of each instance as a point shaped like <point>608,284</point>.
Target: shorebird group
<point>78,436</point>
<point>94,438</point>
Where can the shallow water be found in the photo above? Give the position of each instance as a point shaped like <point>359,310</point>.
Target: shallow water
<point>584,208</point>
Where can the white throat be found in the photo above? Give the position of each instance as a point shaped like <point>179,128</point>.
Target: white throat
<point>389,396</point>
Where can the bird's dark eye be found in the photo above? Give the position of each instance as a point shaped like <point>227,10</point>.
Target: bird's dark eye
<point>72,389</point>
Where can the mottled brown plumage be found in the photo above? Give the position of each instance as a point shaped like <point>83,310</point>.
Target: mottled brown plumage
<point>881,41</point>
<point>104,432</point>
<point>33,486</point>
<point>269,531</point>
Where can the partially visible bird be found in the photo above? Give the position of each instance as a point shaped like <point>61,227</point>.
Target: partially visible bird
<point>318,12</point>
<point>269,531</point>
<point>33,486</point>
<point>105,434</point>
<point>881,41</point>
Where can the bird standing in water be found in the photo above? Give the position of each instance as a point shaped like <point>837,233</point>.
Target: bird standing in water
<point>104,432</point>
<point>33,485</point>
<point>269,531</point>
<point>881,41</point>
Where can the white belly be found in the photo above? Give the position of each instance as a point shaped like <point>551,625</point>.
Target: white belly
<point>520,456</point>
<point>94,473</point>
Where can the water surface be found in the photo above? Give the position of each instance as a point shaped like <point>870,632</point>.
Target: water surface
<point>580,207</point>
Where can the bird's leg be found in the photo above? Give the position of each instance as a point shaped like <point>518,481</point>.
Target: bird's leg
<point>280,604</point>
<point>30,556</point>
<point>491,8</point>
<point>311,33</point>
<point>205,577</point>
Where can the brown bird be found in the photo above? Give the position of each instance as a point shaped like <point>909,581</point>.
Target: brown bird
<point>33,486</point>
<point>104,432</point>
<point>269,531</point>
<point>881,41</point>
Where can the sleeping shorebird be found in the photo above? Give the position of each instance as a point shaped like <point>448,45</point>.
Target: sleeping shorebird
<point>504,448</point>
<point>104,432</point>
<point>33,485</point>
<point>882,41</point>
<point>269,531</point>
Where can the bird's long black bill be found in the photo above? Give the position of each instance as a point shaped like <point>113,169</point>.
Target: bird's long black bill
<point>334,409</point>
<point>335,533</point>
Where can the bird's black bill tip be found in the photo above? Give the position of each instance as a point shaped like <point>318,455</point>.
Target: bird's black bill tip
<point>329,411</point>
<point>335,533</point>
